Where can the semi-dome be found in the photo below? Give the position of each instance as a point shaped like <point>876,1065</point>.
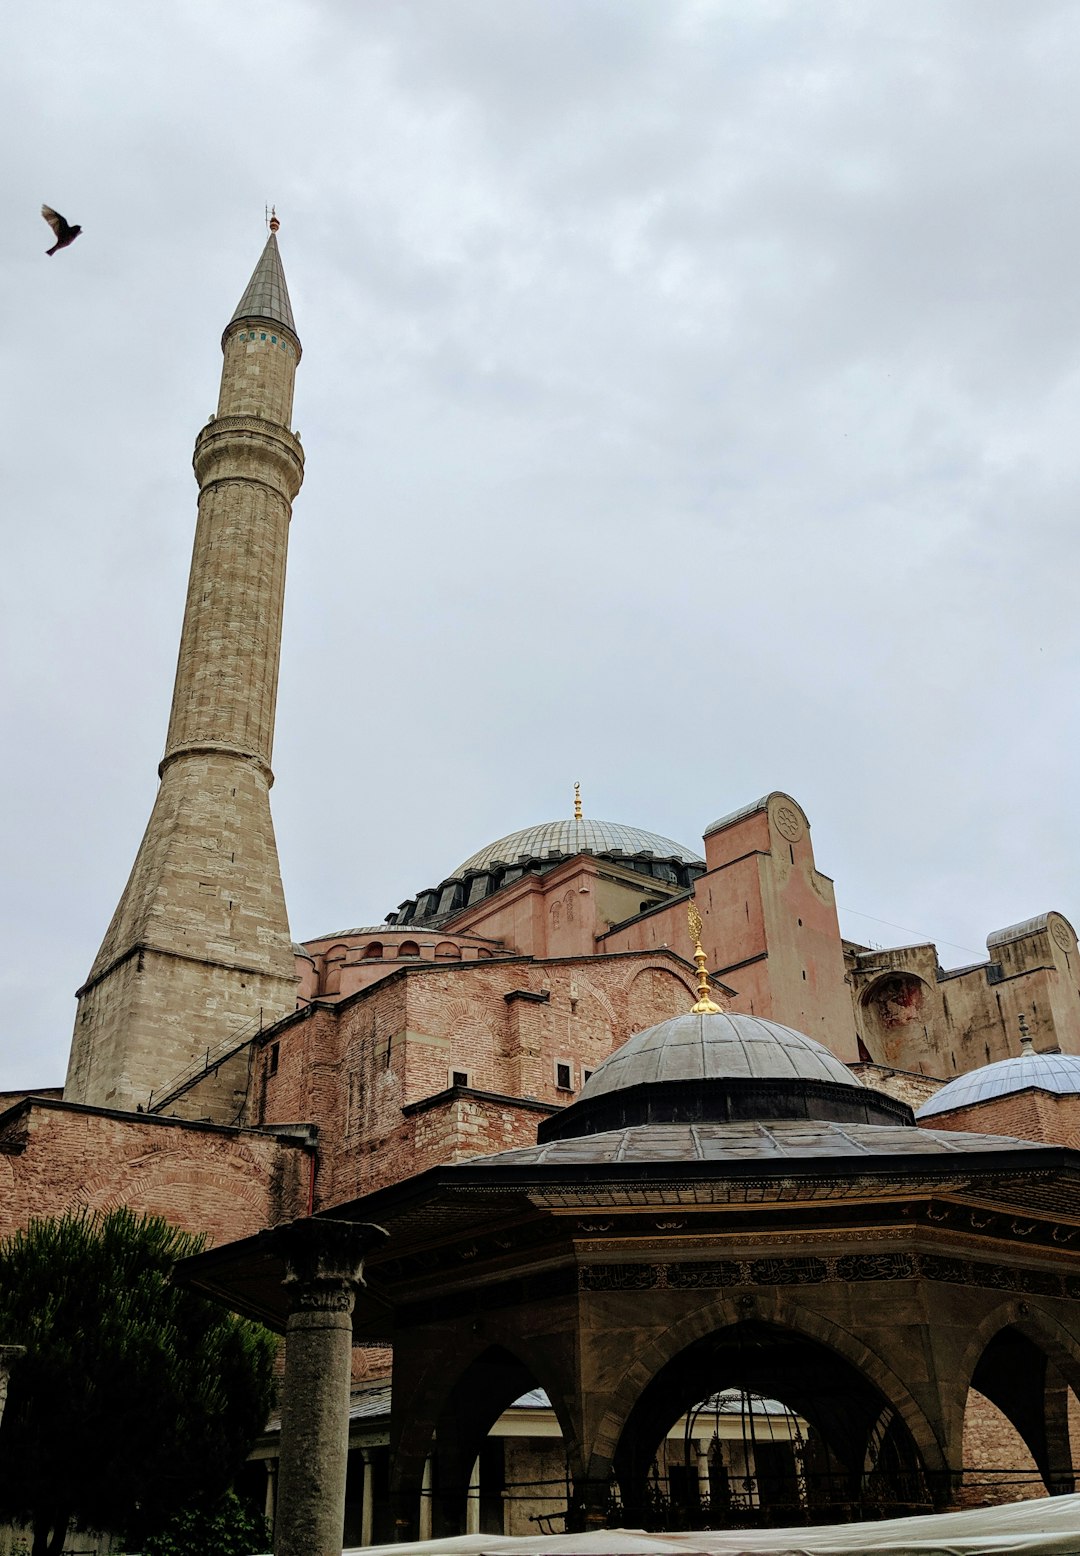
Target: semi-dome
<point>580,836</point>
<point>717,1047</point>
<point>1058,1073</point>
<point>712,1067</point>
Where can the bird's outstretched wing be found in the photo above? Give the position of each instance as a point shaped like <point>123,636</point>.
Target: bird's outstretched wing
<point>65,232</point>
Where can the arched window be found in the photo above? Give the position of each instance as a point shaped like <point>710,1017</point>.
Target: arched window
<point>373,951</point>
<point>408,948</point>
<point>447,952</point>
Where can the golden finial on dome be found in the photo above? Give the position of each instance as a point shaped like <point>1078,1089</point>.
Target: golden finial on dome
<point>577,802</point>
<point>705,1006</point>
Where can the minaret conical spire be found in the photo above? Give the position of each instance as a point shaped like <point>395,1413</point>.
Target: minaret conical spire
<point>266,295</point>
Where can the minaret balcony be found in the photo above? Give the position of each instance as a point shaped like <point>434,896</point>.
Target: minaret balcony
<point>249,448</point>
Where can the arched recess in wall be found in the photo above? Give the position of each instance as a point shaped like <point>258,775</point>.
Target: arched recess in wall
<point>373,951</point>
<point>896,1012</point>
<point>333,962</point>
<point>446,951</point>
<point>408,948</point>
<point>655,994</point>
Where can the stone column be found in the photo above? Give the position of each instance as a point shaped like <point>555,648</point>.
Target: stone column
<point>367,1511</point>
<point>8,1355</point>
<point>323,1264</point>
<point>704,1483</point>
<point>425,1502</point>
<point>271,1495</point>
<point>472,1504</point>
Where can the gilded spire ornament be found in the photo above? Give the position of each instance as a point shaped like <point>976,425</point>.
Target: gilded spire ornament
<point>705,1006</point>
<point>577,802</point>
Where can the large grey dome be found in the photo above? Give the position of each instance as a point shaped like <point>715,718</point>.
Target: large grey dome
<point>1059,1073</point>
<point>717,1047</point>
<point>567,838</point>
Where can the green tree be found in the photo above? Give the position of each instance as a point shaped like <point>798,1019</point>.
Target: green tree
<point>227,1528</point>
<point>135,1397</point>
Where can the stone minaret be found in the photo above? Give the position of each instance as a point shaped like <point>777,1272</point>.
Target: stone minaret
<point>198,951</point>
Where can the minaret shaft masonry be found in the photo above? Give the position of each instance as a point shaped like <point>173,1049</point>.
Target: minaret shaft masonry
<point>199,952</point>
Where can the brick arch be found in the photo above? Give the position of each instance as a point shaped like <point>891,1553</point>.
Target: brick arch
<point>655,994</point>
<point>724,1313</point>
<point>224,1199</point>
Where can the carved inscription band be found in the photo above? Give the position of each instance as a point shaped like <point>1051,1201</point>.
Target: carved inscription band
<point>721,1274</point>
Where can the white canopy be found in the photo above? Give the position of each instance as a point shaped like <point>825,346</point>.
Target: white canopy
<point>1049,1526</point>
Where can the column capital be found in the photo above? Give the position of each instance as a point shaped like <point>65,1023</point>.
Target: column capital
<point>324,1260</point>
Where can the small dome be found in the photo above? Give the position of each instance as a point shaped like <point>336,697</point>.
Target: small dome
<point>567,838</point>
<point>1059,1073</point>
<point>716,1047</point>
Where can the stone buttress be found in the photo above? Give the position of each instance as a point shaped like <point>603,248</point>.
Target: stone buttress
<point>198,952</point>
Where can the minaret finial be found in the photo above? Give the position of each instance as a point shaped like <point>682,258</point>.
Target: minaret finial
<point>705,1006</point>
<point>272,219</point>
<point>1026,1040</point>
<point>577,802</point>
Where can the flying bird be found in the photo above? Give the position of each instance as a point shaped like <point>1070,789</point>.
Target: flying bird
<point>65,233</point>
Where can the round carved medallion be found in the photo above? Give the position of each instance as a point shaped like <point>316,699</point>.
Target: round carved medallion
<point>788,823</point>
<point>1061,934</point>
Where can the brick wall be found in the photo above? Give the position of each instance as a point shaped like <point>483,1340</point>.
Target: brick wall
<point>358,1067</point>
<point>56,1157</point>
<point>1027,1115</point>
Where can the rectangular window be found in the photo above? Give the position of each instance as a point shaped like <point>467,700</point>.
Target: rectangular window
<point>459,1078</point>
<point>274,1058</point>
<point>564,1075</point>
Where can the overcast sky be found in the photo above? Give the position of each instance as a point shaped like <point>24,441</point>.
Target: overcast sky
<point>690,395</point>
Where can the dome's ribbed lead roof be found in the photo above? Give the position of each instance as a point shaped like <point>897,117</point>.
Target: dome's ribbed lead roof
<point>1045,1072</point>
<point>716,1047</point>
<point>567,838</point>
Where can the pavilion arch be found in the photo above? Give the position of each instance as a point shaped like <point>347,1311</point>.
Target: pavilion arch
<point>456,1403</point>
<point>766,1347</point>
<point>1044,1330</point>
<point>770,1309</point>
<point>1025,1361</point>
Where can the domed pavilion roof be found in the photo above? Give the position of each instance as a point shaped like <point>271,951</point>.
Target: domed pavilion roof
<point>714,1067</point>
<point>1058,1073</point>
<point>567,838</point>
<point>717,1047</point>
